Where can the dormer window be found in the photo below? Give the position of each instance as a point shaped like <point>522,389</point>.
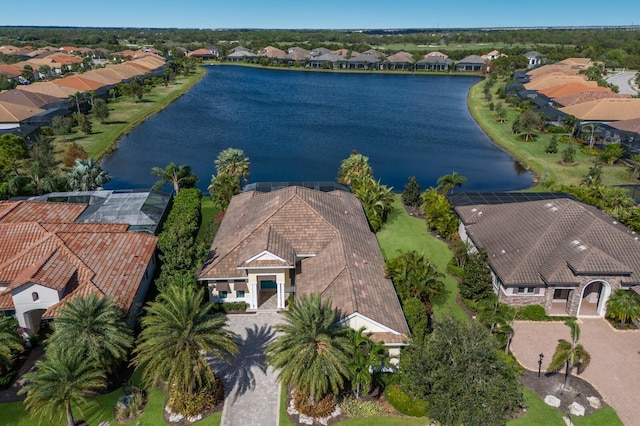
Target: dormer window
<point>35,296</point>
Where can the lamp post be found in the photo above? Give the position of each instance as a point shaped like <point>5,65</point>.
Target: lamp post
<point>540,363</point>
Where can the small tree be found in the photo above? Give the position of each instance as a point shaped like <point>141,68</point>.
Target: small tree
<point>569,154</point>
<point>593,176</point>
<point>612,153</point>
<point>476,280</point>
<point>73,152</point>
<point>411,194</point>
<point>552,148</point>
<point>570,353</point>
<point>11,343</point>
<point>529,122</point>
<point>367,358</point>
<point>101,110</point>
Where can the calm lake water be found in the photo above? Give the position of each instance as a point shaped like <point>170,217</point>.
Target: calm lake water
<point>298,126</point>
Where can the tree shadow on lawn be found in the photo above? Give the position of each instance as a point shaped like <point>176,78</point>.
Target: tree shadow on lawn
<point>238,374</point>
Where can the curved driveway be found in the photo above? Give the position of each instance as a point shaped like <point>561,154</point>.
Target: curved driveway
<point>622,80</point>
<point>615,354</point>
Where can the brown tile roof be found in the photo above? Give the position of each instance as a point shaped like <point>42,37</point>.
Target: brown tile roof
<point>347,267</point>
<point>270,52</point>
<point>552,241</point>
<point>588,96</point>
<point>49,88</point>
<point>605,110</point>
<point>401,57</point>
<point>435,54</point>
<point>14,113</point>
<point>11,71</point>
<point>544,70</point>
<point>554,79</point>
<point>41,244</point>
<point>569,89</point>
<point>31,99</point>
<point>79,83</point>
<point>103,75</point>
<point>584,62</point>
<point>632,125</point>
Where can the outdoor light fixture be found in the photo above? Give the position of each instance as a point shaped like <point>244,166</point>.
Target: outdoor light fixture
<point>540,363</point>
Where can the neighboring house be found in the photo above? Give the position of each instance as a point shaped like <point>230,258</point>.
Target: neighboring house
<point>435,54</point>
<point>534,58</point>
<point>297,240</point>
<point>400,61</point>
<point>564,255</point>
<point>605,110</point>
<point>210,52</point>
<point>328,60</point>
<point>363,62</point>
<point>240,56</point>
<point>375,53</point>
<point>434,63</point>
<point>47,257</point>
<point>494,54</point>
<point>319,52</point>
<point>296,54</point>
<point>272,52</point>
<point>588,96</point>
<point>557,79</point>
<point>470,63</point>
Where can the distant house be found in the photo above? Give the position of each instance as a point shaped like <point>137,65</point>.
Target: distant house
<point>240,49</point>
<point>434,63</point>
<point>558,253</point>
<point>319,52</point>
<point>494,54</point>
<point>297,240</point>
<point>400,61</point>
<point>296,54</point>
<point>272,53</point>
<point>328,60</point>
<point>363,62</point>
<point>240,56</point>
<point>470,63</point>
<point>47,257</point>
<point>534,58</point>
<point>374,53</point>
<point>210,52</point>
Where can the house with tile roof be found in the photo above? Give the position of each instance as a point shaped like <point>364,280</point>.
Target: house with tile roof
<point>297,240</point>
<point>534,58</point>
<point>205,53</point>
<point>564,255</point>
<point>470,63</point>
<point>47,257</point>
<point>400,61</point>
<point>557,79</point>
<point>434,63</point>
<point>605,110</point>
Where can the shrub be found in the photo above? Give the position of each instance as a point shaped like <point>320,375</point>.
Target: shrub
<point>453,269</point>
<point>405,404</point>
<point>531,313</point>
<point>552,147</point>
<point>200,401</point>
<point>358,408</point>
<point>556,130</point>
<point>322,408</point>
<point>590,151</point>
<point>230,306</point>
<point>133,406</point>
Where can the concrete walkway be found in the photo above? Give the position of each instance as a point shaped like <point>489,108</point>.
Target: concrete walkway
<point>252,391</point>
<point>615,354</point>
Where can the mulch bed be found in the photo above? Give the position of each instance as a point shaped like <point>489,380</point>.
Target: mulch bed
<point>552,384</point>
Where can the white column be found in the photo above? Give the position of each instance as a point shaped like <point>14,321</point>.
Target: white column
<point>280,295</point>
<point>253,295</point>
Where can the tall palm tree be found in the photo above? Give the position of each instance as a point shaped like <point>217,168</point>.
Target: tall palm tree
<point>570,353</point>
<point>75,100</point>
<point>58,381</point>
<point>178,332</point>
<point>313,351</point>
<point>376,199</point>
<point>232,161</point>
<point>623,306</point>
<point>354,168</point>
<point>447,183</point>
<point>179,176</point>
<point>367,359</point>
<point>98,329</point>
<point>415,276</point>
<point>10,341</point>
<point>86,175</point>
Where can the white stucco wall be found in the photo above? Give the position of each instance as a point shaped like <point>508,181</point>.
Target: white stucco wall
<point>356,322</point>
<point>23,300</point>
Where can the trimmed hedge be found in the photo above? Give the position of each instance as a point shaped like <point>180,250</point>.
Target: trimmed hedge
<point>230,306</point>
<point>405,404</point>
<point>536,313</point>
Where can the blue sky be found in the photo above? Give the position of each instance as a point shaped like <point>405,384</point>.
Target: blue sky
<point>327,14</point>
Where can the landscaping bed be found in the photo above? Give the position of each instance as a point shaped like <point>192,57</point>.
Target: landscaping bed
<point>552,384</point>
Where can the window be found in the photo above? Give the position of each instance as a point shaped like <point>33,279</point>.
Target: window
<point>35,296</point>
<point>526,290</point>
<point>222,294</point>
<point>239,293</point>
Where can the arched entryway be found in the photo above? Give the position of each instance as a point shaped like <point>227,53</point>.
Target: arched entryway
<point>594,299</point>
<point>32,319</point>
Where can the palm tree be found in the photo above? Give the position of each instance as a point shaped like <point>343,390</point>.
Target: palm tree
<point>572,354</point>
<point>415,276</point>
<point>233,162</point>
<point>58,381</point>
<point>10,341</point>
<point>178,332</point>
<point>591,129</point>
<point>623,306</point>
<point>222,188</point>
<point>86,175</point>
<point>179,176</point>
<point>354,168</point>
<point>367,359</point>
<point>313,352</point>
<point>447,183</point>
<point>376,199</point>
<point>98,329</point>
<point>75,100</point>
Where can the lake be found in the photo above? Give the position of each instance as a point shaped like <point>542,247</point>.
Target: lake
<point>298,126</point>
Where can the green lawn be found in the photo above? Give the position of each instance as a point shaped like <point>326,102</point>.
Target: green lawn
<point>480,47</point>
<point>385,421</point>
<point>208,212</point>
<point>403,232</point>
<point>546,166</point>
<point>125,114</point>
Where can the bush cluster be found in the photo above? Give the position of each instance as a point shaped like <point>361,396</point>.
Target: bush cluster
<point>191,404</point>
<point>178,252</point>
<point>358,408</point>
<point>230,306</point>
<point>126,413</point>
<point>405,404</point>
<point>306,406</point>
<point>536,313</point>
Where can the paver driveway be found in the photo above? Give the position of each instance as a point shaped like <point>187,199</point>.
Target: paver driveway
<point>615,354</point>
<point>252,391</point>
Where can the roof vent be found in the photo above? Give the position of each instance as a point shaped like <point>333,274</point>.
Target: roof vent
<point>615,222</point>
<point>575,242</point>
<point>548,205</point>
<point>479,213</point>
<point>553,209</point>
<point>502,251</point>
<point>582,248</point>
<point>474,210</point>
